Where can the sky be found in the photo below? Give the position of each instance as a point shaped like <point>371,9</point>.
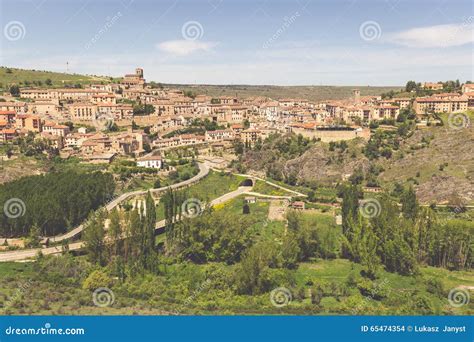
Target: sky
<point>278,42</point>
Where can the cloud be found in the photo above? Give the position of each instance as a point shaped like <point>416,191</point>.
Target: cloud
<point>435,36</point>
<point>185,47</point>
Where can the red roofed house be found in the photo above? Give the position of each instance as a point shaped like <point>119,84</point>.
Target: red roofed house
<point>150,161</point>
<point>7,134</point>
<point>56,129</point>
<point>8,115</point>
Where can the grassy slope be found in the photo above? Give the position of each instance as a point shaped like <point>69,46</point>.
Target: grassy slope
<point>453,148</point>
<point>168,291</point>
<point>19,76</point>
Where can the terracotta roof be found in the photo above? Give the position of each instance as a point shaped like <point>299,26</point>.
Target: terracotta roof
<point>149,157</point>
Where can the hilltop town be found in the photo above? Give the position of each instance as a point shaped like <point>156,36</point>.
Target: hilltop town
<point>149,192</point>
<point>131,117</point>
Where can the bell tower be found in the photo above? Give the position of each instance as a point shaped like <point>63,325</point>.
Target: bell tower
<point>356,94</point>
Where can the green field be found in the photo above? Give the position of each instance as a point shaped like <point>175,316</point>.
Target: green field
<point>214,185</point>
<point>59,291</point>
<point>267,189</point>
<point>21,77</point>
<point>317,286</point>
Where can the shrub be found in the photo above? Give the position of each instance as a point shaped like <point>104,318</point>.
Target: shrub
<point>96,279</point>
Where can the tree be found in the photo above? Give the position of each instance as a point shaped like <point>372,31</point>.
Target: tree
<point>94,235</point>
<point>350,206</point>
<point>33,240</point>
<point>290,251</point>
<point>357,177</point>
<point>238,148</point>
<point>246,209</point>
<point>48,82</point>
<point>15,90</point>
<point>135,234</point>
<point>252,273</point>
<point>363,247</point>
<point>143,109</point>
<point>409,203</point>
<point>149,225</point>
<point>411,85</point>
<point>96,279</point>
<point>115,231</point>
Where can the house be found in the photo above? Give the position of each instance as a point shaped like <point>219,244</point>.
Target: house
<point>30,123</point>
<point>55,141</point>
<point>433,86</point>
<point>8,115</point>
<point>468,88</point>
<point>150,161</point>
<point>250,136</point>
<point>56,129</point>
<point>443,104</point>
<point>134,80</point>
<point>100,158</point>
<point>7,134</point>
<point>83,112</point>
<point>77,139</point>
<point>220,134</point>
<point>17,107</point>
<point>104,98</point>
<point>402,102</point>
<point>250,199</point>
<point>386,112</point>
<point>299,205</point>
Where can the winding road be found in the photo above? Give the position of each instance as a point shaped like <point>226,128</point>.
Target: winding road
<point>25,254</point>
<point>203,172</point>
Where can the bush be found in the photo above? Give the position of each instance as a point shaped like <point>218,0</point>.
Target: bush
<point>96,279</point>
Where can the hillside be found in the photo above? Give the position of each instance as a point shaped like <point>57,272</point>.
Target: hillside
<point>313,93</point>
<point>23,77</point>
<point>36,78</point>
<point>438,161</point>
